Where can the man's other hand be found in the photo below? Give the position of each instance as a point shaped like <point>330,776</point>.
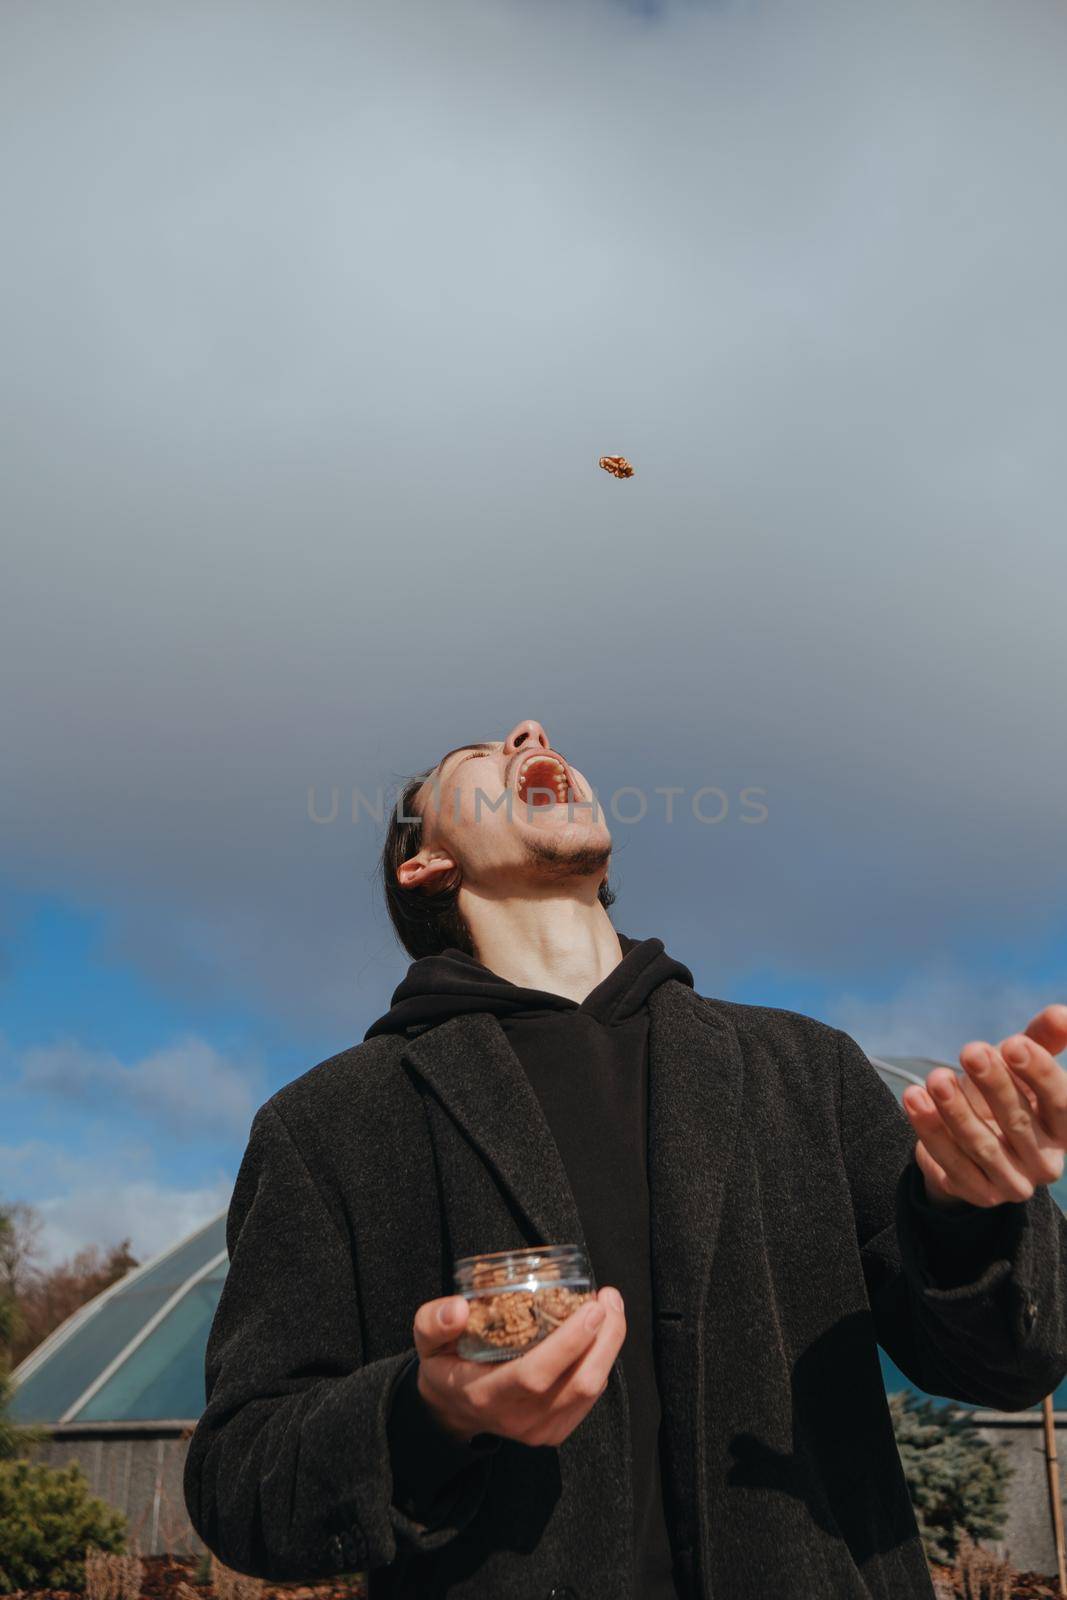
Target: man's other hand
<point>1000,1130</point>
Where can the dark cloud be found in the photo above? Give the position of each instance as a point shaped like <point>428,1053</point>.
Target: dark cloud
<point>317,322</point>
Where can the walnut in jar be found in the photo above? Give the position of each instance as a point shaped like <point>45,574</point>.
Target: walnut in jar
<point>517,1297</point>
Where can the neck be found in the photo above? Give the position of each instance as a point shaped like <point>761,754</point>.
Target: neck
<point>558,943</point>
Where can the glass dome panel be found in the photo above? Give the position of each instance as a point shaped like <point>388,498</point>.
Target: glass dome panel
<point>163,1377</point>
<point>61,1369</point>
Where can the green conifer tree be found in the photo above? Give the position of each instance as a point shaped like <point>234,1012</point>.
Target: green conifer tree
<point>956,1479</point>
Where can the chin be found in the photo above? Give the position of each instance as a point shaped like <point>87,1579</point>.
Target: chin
<point>569,850</point>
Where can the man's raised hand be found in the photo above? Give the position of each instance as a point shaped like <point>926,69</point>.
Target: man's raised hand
<point>1000,1131</point>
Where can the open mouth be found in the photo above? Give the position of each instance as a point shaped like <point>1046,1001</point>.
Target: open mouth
<point>544,779</point>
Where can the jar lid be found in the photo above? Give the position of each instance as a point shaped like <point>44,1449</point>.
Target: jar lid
<point>525,1253</point>
<point>530,1264</point>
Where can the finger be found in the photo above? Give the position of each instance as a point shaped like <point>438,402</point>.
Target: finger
<point>438,1323</point>
<point>588,1376</point>
<point>1049,1029</point>
<point>1012,1110</point>
<point>1048,1081</point>
<point>960,1176</point>
<point>976,1138</point>
<point>537,1369</point>
<point>561,1407</point>
<point>970,1083</point>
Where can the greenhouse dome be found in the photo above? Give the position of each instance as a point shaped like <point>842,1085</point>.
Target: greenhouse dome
<point>135,1353</point>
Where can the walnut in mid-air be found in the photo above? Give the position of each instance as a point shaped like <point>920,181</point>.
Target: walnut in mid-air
<point>618,466</point>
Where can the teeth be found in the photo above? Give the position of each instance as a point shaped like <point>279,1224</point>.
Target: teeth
<point>558,781</point>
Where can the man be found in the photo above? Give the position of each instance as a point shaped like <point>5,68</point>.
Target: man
<point>758,1213</point>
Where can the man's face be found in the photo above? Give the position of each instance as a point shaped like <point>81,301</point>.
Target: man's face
<point>512,814</point>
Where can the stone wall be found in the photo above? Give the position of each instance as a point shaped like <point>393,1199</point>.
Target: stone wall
<point>1028,1538</point>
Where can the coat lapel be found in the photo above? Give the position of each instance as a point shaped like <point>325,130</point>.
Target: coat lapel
<point>472,1070</point>
<point>694,1116</point>
<point>694,1111</point>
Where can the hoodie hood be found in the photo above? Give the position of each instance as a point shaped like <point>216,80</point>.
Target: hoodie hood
<point>452,983</point>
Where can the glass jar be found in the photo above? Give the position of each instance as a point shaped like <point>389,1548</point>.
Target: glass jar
<point>517,1297</point>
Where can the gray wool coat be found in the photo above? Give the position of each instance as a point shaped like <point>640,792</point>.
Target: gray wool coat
<point>789,1235</point>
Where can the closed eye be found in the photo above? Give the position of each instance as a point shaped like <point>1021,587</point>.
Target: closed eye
<point>474,756</point>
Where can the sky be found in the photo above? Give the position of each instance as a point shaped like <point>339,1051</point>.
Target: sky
<point>316,320</point>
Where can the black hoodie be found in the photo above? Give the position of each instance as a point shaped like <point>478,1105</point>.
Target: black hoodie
<point>588,1065</point>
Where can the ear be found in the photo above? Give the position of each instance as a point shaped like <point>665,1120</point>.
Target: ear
<point>427,870</point>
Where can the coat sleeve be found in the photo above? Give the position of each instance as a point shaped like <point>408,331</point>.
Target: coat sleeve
<point>969,1302</point>
<point>288,1475</point>
<point>426,1462</point>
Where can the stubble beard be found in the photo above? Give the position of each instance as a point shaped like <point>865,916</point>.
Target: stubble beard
<point>558,862</point>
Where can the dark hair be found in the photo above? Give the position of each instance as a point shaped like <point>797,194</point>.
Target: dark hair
<point>427,923</point>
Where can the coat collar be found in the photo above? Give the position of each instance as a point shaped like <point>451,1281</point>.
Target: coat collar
<point>695,1071</point>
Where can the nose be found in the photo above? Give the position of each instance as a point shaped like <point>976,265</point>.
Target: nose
<point>526,735</point>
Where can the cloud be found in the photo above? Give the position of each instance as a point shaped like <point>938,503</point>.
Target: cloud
<point>187,1089</point>
<point>935,1012</point>
<point>82,1200</point>
<point>152,1216</point>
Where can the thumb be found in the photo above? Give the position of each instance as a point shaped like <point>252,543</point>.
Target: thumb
<point>438,1323</point>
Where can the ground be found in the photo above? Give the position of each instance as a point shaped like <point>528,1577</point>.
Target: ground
<point>1026,1585</point>
<point>164,1576</point>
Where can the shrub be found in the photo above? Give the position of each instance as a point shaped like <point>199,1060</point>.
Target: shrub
<point>48,1521</point>
<point>957,1480</point>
